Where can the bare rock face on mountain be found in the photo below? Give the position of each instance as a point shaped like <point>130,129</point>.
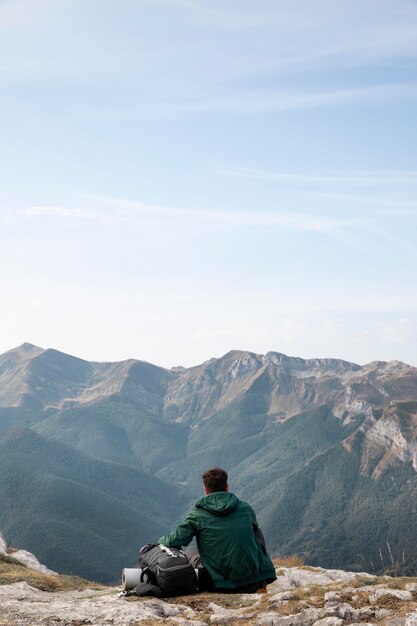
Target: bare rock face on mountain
<point>34,378</point>
<point>384,393</point>
<point>324,450</point>
<point>282,387</point>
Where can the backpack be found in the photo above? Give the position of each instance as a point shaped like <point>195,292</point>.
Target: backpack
<point>167,568</point>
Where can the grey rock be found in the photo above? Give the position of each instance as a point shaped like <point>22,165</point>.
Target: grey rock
<point>274,619</point>
<point>365,612</point>
<point>344,611</point>
<point>226,616</point>
<point>27,606</point>
<point>307,617</point>
<point>26,558</point>
<point>312,615</point>
<point>395,621</point>
<point>411,587</point>
<point>3,545</point>
<point>332,596</point>
<point>382,613</point>
<point>186,610</point>
<point>293,577</point>
<point>29,560</point>
<point>229,619</point>
<point>281,597</point>
<point>411,619</point>
<point>268,619</point>
<point>329,621</point>
<point>393,593</point>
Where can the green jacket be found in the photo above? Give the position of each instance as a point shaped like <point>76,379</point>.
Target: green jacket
<point>224,528</point>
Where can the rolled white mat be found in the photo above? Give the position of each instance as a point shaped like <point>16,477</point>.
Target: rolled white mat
<point>130,578</point>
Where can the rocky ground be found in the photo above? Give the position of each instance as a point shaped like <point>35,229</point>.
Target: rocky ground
<point>301,596</point>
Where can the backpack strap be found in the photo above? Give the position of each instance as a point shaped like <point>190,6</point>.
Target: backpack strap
<point>142,589</point>
<point>168,551</point>
<point>144,572</point>
<point>146,589</point>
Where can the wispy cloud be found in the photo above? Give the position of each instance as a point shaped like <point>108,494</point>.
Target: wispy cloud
<point>354,178</point>
<point>170,61</point>
<point>246,102</point>
<point>327,33</point>
<point>59,211</point>
<point>375,192</point>
<point>120,210</point>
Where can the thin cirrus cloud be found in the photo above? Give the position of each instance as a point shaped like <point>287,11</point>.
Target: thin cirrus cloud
<point>393,18</point>
<point>382,192</point>
<point>290,35</point>
<point>118,210</point>
<point>351,231</point>
<point>265,102</point>
<point>250,102</point>
<point>359,178</point>
<point>327,33</point>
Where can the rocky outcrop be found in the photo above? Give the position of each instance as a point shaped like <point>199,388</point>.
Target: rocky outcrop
<point>25,558</point>
<point>299,597</point>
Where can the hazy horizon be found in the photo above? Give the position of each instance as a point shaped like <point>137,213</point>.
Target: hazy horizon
<point>217,356</point>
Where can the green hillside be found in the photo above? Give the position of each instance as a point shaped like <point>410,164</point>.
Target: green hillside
<point>332,516</point>
<point>116,430</point>
<point>323,449</point>
<point>77,514</point>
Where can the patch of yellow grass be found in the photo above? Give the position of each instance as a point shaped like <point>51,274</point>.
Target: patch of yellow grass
<point>365,581</point>
<point>11,571</point>
<point>400,582</point>
<point>155,622</point>
<point>289,560</point>
<point>395,604</point>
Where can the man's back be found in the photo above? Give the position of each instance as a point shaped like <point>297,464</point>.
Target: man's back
<point>224,527</point>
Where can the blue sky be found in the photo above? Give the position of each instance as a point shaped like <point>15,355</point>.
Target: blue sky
<point>184,177</point>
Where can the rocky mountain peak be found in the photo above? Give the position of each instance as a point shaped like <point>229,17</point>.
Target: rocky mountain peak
<point>293,433</point>
<point>284,386</point>
<point>27,347</point>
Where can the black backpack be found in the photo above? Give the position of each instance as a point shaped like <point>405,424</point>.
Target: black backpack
<point>167,568</point>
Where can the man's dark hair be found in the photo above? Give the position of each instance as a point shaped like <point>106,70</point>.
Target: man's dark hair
<point>215,479</point>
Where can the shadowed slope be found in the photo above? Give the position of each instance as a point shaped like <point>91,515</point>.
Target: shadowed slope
<point>76,513</point>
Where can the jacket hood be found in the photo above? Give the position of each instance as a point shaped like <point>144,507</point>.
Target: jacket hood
<point>219,502</point>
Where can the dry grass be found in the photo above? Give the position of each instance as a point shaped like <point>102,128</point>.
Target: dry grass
<point>304,597</point>
<point>226,600</point>
<point>199,603</point>
<point>155,622</point>
<point>364,581</point>
<point>361,599</point>
<point>399,607</point>
<point>400,582</point>
<point>290,560</point>
<point>11,571</point>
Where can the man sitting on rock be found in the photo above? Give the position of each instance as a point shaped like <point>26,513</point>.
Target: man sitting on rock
<point>231,555</point>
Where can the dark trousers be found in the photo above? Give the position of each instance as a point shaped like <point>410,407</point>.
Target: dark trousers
<point>205,582</point>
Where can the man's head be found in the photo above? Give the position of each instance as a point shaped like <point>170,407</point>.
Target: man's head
<point>215,479</point>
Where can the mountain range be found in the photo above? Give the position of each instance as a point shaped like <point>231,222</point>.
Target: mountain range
<point>98,458</point>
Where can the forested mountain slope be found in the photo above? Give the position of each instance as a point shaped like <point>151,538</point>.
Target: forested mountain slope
<point>324,449</point>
